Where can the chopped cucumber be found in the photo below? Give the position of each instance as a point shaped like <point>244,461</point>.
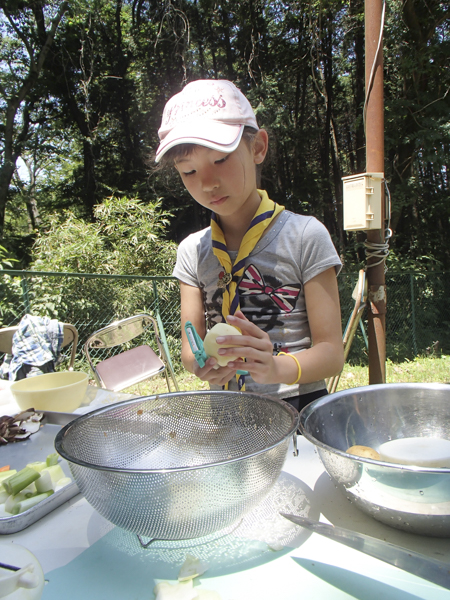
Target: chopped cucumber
<point>44,483</point>
<point>16,483</point>
<point>20,491</point>
<point>62,483</point>
<point>11,501</point>
<point>5,474</point>
<point>28,503</point>
<point>52,459</point>
<point>38,465</point>
<point>56,473</point>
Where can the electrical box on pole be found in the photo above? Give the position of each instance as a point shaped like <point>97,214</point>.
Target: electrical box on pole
<point>362,199</point>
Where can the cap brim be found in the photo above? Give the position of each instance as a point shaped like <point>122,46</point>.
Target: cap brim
<point>223,137</point>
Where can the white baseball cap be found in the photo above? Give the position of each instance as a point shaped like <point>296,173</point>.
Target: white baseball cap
<point>207,112</point>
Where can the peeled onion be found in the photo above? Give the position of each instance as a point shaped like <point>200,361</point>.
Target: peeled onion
<point>212,347</point>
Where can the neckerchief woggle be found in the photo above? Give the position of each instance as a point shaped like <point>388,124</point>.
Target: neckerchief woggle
<point>267,211</point>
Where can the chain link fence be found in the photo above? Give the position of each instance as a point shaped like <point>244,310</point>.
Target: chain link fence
<point>90,302</point>
<point>417,320</point>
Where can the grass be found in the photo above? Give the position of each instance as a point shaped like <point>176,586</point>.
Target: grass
<point>421,370</point>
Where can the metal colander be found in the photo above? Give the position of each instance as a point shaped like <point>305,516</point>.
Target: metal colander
<point>179,465</point>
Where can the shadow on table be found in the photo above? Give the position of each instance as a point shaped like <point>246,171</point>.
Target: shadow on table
<point>341,512</point>
<point>261,536</point>
<point>117,563</point>
<point>355,585</point>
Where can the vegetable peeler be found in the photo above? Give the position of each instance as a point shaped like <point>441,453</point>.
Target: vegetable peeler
<point>196,344</point>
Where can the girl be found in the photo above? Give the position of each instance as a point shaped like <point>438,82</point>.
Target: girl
<point>269,272</point>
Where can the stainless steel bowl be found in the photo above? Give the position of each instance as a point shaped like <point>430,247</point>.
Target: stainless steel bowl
<point>180,465</point>
<point>415,499</point>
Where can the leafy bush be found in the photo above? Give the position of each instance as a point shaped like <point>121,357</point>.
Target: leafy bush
<point>127,239</point>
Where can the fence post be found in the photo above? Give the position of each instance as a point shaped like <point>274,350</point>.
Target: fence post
<point>413,314</point>
<point>26,299</point>
<point>162,333</point>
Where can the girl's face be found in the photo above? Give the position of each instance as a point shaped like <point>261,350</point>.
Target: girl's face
<point>224,183</point>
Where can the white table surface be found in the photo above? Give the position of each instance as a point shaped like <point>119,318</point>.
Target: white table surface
<point>84,556</point>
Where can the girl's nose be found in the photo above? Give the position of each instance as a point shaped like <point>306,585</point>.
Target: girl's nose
<point>209,182</point>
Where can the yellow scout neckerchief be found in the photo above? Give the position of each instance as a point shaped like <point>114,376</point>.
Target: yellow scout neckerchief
<point>229,278</point>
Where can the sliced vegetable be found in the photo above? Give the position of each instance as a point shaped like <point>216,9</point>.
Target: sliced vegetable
<point>44,483</point>
<point>11,501</point>
<point>52,459</point>
<point>184,590</point>
<point>192,567</point>
<point>62,483</point>
<point>5,468</point>
<point>5,474</point>
<point>179,591</point>
<point>3,493</point>
<point>56,473</point>
<point>38,465</point>
<point>28,503</point>
<point>16,483</point>
<point>36,482</point>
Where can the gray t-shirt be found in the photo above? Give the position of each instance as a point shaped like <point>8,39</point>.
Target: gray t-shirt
<point>293,250</point>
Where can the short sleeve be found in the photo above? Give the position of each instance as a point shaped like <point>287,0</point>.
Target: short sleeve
<point>318,251</point>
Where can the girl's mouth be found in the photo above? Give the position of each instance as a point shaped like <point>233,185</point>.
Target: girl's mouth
<point>219,201</point>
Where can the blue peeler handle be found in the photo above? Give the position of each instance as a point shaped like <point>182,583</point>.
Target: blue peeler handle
<point>196,344</point>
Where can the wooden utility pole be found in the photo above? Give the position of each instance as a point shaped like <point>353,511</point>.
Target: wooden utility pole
<point>374,127</point>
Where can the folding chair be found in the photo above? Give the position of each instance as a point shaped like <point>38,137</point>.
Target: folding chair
<point>70,337</point>
<point>129,367</point>
<point>360,297</point>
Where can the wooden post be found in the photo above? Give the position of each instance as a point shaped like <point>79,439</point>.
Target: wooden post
<point>374,128</point>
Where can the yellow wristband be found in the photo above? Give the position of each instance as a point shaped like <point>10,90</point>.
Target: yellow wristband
<point>299,369</point>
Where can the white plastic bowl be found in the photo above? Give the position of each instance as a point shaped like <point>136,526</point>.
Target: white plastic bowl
<point>61,392</point>
<point>26,584</point>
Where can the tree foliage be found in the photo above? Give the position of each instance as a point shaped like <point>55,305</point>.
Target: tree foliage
<point>126,238</point>
<point>94,109</point>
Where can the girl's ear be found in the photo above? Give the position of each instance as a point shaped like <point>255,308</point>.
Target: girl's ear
<point>260,146</point>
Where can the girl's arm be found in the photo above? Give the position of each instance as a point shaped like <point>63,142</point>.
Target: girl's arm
<point>324,359</point>
<point>192,309</point>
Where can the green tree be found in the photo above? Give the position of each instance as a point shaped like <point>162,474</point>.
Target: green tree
<point>28,31</point>
<point>113,65</point>
<point>127,237</point>
<point>417,127</point>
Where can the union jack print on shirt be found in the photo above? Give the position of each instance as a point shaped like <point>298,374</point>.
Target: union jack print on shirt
<point>252,283</point>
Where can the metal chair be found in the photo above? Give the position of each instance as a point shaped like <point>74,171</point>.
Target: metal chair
<point>70,337</point>
<point>129,367</point>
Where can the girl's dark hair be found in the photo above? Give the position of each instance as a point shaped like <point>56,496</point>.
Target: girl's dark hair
<point>182,150</point>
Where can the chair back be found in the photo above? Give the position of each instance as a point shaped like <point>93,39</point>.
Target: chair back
<point>6,336</point>
<point>70,337</point>
<point>121,332</point>
<point>130,366</point>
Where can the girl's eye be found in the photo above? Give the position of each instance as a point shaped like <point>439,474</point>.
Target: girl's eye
<point>222,160</point>
<point>188,173</point>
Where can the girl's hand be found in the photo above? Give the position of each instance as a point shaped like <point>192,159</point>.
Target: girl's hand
<point>219,376</point>
<point>254,346</point>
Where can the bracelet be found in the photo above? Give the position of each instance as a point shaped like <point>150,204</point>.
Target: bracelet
<point>299,369</point>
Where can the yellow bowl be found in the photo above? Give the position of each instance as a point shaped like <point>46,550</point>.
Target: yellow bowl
<point>61,392</point>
